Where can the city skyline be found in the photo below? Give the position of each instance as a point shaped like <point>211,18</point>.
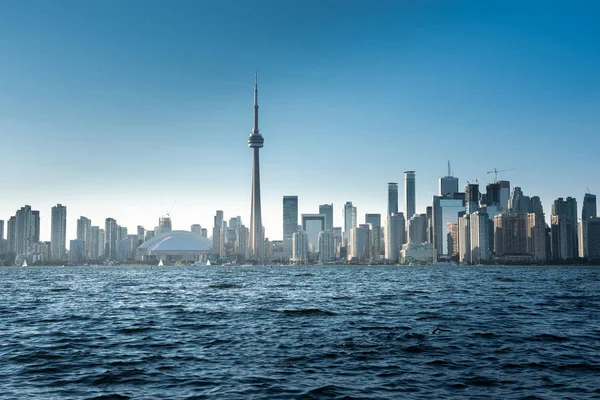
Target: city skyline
<point>122,133</point>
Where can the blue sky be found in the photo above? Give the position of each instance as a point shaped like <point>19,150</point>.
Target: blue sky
<point>119,108</point>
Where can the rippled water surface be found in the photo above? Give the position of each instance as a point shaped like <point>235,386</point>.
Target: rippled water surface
<point>307,332</point>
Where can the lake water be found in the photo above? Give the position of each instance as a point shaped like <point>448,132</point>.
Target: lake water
<point>300,332</point>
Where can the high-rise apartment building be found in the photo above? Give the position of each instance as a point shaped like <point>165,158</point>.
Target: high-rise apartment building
<point>58,233</point>
<point>409,194</point>
<point>417,229</point>
<point>593,238</point>
<point>374,222</point>
<point>300,246</point>
<point>326,246</point>
<point>479,237</point>
<point>141,233</point>
<point>360,243</point>
<point>110,238</point>
<point>504,194</point>
<point>290,222</point>
<point>464,238</point>
<point>327,211</point>
<point>392,206</point>
<point>589,206</point>
<point>349,220</point>
<point>471,198</point>
<point>196,228</point>
<point>394,236</point>
<point>564,234</point>
<point>84,234</point>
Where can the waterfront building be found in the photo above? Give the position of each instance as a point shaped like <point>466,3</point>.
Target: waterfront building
<point>149,235</point>
<point>217,235</point>
<point>479,237</point>
<point>452,239</point>
<point>243,242</point>
<point>141,233</point>
<point>349,221</point>
<point>589,206</point>
<point>504,194</point>
<point>290,222</point>
<point>255,142</point>
<point>175,246</point>
<point>23,230</point>
<point>471,198</point>
<point>464,238</point>
<point>374,222</point>
<point>536,236</point>
<point>58,233</point>
<point>409,194</point>
<point>326,246</point>
<point>510,235</point>
<point>300,246</point>
<point>444,210</point>
<point>418,253</point>
<point>417,229</point>
<point>429,216</point>
<point>359,243</point>
<point>312,224</point>
<point>84,233</point>
<point>394,236</point>
<point>565,241</point>
<point>337,239</point>
<point>164,225</point>
<point>327,211</point>
<point>110,239</point>
<point>593,238</point>
<point>392,206</point>
<point>518,203</point>
<point>77,253</point>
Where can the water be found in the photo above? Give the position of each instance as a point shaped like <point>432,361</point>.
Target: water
<point>299,332</point>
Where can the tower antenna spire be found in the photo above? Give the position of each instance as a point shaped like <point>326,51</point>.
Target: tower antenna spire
<point>449,172</point>
<point>255,132</point>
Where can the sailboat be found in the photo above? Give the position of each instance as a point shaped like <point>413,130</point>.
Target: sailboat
<point>24,263</point>
<point>160,263</point>
<point>208,262</point>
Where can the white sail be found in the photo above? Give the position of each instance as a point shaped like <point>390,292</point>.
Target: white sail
<point>24,263</point>
<point>160,263</point>
<point>207,262</point>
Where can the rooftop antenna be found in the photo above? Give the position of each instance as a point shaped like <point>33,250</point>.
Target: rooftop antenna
<point>449,173</point>
<point>588,190</point>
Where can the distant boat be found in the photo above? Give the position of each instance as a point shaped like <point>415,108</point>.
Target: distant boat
<point>24,263</point>
<point>160,263</point>
<point>208,262</point>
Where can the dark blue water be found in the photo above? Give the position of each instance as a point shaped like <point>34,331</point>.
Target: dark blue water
<point>300,332</point>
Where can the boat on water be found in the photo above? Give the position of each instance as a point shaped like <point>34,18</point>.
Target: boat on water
<point>160,263</point>
<point>24,264</point>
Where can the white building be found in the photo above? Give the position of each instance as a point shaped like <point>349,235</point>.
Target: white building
<point>418,253</point>
<point>326,246</point>
<point>300,246</point>
<point>394,236</point>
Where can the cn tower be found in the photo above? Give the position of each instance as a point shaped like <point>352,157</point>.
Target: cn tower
<point>255,142</point>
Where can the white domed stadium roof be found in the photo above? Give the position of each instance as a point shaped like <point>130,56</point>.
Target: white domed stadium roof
<point>177,242</point>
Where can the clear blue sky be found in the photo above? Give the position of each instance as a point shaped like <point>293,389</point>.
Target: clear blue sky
<point>119,108</point>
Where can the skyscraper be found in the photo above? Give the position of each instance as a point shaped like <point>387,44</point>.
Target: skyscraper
<point>589,206</point>
<point>409,194</point>
<point>58,233</point>
<point>394,232</point>
<point>564,228</point>
<point>349,221</point>
<point>110,239</point>
<point>448,185</point>
<point>164,225</point>
<point>255,142</point>
<point>327,211</point>
<point>471,197</point>
<point>392,198</point>
<point>84,234</point>
<point>290,222</point>
<point>374,221</point>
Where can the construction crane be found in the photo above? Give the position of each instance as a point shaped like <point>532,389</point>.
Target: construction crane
<point>495,172</point>
<point>169,212</point>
